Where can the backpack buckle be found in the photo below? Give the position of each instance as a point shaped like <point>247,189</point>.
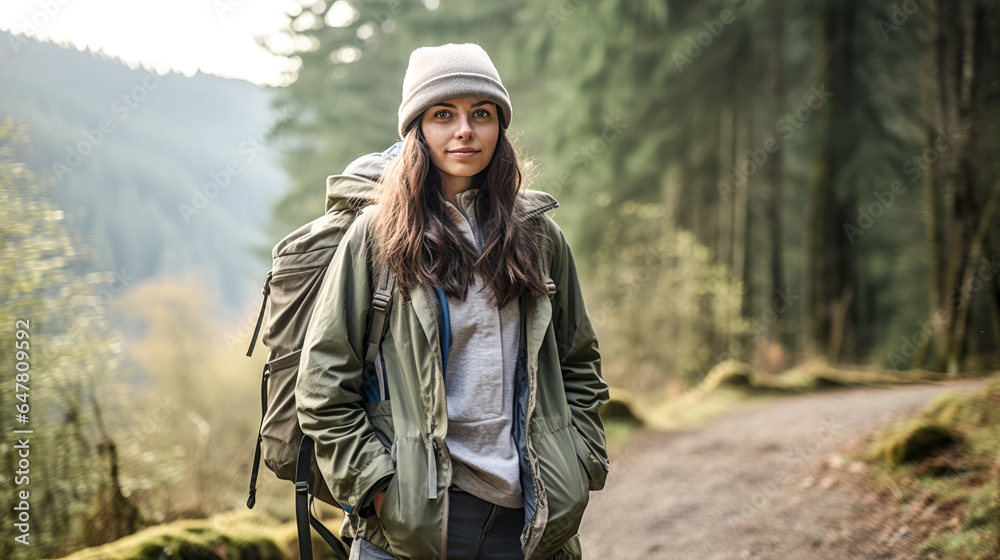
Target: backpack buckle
<point>381,301</point>
<point>552,288</point>
<point>301,487</point>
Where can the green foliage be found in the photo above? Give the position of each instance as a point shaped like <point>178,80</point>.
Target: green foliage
<point>73,355</point>
<point>140,368</point>
<point>186,449</point>
<point>661,285</point>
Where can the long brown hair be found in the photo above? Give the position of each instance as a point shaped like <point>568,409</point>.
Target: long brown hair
<point>417,240</point>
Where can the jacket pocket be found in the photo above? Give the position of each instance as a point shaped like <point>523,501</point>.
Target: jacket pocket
<point>388,516</point>
<point>597,472</point>
<point>280,433</point>
<point>569,551</point>
<point>566,487</point>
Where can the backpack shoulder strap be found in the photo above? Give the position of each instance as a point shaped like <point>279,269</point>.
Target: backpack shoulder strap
<point>544,260</point>
<point>381,304</point>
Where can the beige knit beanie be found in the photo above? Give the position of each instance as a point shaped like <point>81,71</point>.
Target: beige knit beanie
<point>438,73</point>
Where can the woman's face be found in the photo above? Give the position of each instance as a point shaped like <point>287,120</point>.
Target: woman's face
<point>461,134</point>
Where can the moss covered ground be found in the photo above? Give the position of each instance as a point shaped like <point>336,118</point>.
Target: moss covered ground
<point>243,535</point>
<point>946,462</point>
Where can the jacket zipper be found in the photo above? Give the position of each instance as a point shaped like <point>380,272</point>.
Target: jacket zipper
<point>541,210</point>
<point>431,463</point>
<point>380,373</point>
<point>444,520</point>
<point>431,444</point>
<point>540,493</point>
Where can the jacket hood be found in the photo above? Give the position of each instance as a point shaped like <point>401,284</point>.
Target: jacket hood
<point>357,185</point>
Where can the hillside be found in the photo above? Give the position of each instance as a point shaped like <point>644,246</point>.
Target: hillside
<point>122,149</point>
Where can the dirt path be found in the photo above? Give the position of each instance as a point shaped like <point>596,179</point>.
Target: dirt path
<point>754,484</point>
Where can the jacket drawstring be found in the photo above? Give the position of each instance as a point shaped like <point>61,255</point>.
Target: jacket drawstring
<point>431,471</point>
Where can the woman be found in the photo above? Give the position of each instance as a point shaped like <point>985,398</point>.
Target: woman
<point>485,439</point>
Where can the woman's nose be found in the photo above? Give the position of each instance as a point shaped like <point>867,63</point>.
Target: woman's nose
<point>464,127</point>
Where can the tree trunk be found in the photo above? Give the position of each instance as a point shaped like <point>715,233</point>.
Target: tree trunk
<point>829,257</point>
<point>741,212</point>
<point>774,41</point>
<point>931,101</point>
<point>727,166</point>
<point>958,73</point>
<point>975,250</point>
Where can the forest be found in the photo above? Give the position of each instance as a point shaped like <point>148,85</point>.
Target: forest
<point>765,181</point>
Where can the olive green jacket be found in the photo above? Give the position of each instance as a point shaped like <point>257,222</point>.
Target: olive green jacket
<point>399,443</point>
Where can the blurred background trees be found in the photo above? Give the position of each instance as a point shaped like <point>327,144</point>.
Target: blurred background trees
<point>794,142</point>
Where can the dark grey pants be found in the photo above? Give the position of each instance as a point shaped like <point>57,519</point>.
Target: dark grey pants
<point>477,530</point>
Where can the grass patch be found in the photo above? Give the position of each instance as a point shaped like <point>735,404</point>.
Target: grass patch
<point>811,376</point>
<point>697,408</point>
<point>245,535</point>
<point>946,463</point>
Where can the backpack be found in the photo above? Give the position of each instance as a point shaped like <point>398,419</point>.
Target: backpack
<point>300,262</point>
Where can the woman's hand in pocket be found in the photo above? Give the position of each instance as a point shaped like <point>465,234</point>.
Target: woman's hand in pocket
<point>377,502</point>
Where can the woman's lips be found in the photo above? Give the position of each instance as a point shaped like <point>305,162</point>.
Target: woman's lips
<point>463,154</point>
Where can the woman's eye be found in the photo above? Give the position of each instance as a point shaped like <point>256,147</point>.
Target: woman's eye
<point>441,114</point>
<point>481,113</point>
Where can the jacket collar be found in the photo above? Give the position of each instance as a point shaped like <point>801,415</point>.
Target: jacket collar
<point>534,202</point>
